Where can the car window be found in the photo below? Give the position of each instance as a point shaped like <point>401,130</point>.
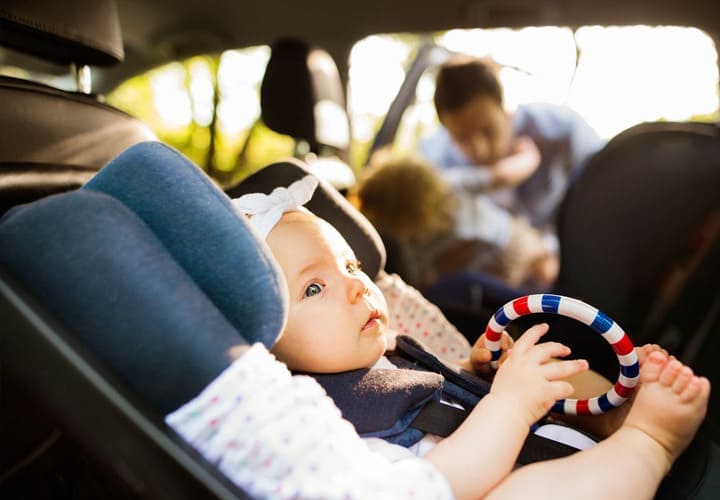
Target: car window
<point>208,106</point>
<point>614,77</point>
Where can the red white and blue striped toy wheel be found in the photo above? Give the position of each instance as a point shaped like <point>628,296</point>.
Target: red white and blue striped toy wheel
<point>588,315</point>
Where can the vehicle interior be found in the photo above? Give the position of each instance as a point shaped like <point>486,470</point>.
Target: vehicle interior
<point>639,230</point>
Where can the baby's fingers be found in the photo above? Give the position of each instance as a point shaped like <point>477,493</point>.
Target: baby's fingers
<point>506,341</point>
<point>560,389</point>
<point>531,336</point>
<point>563,369</point>
<point>480,359</point>
<point>541,353</point>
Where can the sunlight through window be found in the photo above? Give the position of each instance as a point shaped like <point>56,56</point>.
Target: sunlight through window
<point>634,74</point>
<point>171,100</point>
<point>615,77</point>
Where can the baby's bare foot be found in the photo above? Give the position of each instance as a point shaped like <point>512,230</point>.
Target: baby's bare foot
<point>611,421</point>
<point>670,403</point>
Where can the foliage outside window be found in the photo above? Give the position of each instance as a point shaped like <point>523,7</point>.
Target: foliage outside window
<point>208,107</point>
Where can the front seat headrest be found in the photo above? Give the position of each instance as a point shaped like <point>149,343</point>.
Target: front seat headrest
<point>313,107</point>
<point>70,31</point>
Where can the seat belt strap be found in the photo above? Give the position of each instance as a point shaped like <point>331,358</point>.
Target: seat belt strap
<point>439,419</point>
<point>442,420</point>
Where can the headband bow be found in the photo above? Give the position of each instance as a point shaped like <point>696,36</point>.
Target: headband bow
<point>265,210</point>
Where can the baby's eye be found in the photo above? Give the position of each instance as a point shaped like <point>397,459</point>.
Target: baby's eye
<point>313,289</point>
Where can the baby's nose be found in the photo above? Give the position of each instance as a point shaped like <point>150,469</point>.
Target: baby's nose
<point>356,288</point>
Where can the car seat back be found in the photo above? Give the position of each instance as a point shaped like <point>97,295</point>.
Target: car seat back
<point>640,239</point>
<point>639,226</point>
<point>104,317</point>
<point>54,140</point>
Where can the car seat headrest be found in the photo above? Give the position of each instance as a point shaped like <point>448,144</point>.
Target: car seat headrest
<point>313,107</point>
<point>71,31</point>
<point>201,229</point>
<point>327,203</point>
<point>97,268</point>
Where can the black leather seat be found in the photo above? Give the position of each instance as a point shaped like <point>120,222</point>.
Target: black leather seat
<point>639,229</point>
<point>53,140</point>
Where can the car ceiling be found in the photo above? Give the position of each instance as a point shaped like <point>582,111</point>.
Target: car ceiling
<point>164,30</point>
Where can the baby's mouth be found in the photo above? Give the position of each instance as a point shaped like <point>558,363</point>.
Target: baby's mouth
<point>372,322</point>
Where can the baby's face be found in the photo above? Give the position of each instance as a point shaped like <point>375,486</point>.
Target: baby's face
<point>337,316</point>
<point>481,129</point>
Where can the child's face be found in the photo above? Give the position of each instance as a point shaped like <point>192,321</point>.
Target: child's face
<point>337,316</point>
<point>481,129</point>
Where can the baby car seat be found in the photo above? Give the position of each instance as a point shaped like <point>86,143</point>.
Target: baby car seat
<point>108,324</point>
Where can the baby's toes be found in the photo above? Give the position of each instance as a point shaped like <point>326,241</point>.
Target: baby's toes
<point>652,366</point>
<point>670,372</point>
<point>645,350</point>
<point>642,353</point>
<point>696,387</point>
<point>683,378</point>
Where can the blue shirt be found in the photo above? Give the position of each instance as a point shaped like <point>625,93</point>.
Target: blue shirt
<point>565,141</point>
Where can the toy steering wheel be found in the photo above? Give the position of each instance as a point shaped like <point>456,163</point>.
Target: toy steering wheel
<point>592,317</point>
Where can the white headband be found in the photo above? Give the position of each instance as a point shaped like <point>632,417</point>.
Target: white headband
<point>264,210</point>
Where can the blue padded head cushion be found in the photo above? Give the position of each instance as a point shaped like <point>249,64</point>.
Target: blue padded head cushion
<point>106,277</point>
<point>198,225</point>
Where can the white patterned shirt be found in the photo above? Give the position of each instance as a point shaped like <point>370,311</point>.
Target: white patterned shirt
<point>278,435</point>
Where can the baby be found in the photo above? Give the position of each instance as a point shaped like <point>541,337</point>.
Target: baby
<point>337,321</point>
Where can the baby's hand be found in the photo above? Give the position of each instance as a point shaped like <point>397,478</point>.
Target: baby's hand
<point>530,379</point>
<point>480,356</point>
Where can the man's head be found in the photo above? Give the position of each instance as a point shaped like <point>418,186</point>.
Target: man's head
<point>469,104</point>
<point>337,316</point>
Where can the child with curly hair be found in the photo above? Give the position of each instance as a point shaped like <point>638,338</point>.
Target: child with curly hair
<point>442,228</point>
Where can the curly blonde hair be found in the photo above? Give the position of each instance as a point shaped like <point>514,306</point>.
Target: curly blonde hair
<point>406,198</point>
